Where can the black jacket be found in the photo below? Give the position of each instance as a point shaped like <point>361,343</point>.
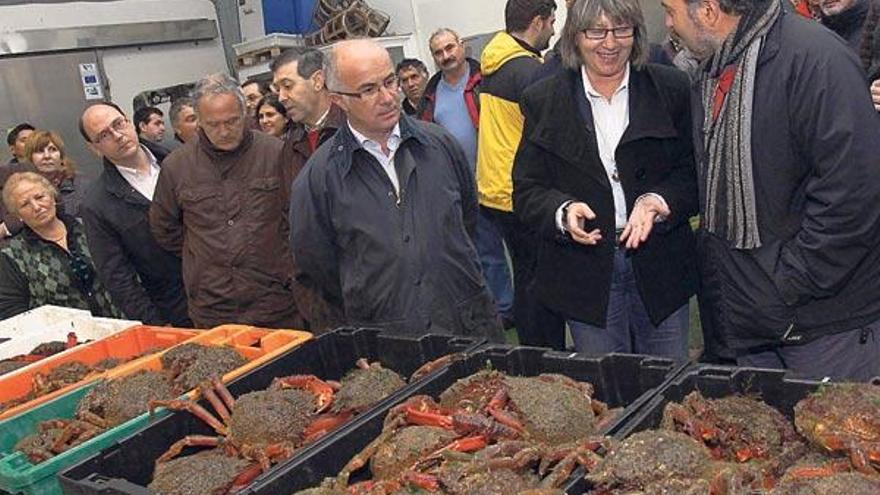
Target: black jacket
<point>815,150</point>
<point>142,278</point>
<point>405,265</point>
<point>558,161</point>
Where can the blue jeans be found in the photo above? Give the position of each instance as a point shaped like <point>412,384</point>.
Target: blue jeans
<point>495,268</point>
<point>628,327</point>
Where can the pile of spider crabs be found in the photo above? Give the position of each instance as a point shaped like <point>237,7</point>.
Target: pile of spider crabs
<point>259,429</point>
<point>494,434</point>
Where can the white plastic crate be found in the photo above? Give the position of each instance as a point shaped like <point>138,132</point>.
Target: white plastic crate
<point>27,333</point>
<point>38,319</point>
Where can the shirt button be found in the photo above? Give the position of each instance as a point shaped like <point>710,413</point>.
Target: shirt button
<point>339,148</point>
<point>230,223</point>
<point>406,238</point>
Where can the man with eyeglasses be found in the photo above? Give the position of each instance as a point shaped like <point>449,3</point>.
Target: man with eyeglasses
<point>220,205</point>
<point>298,79</point>
<point>143,279</point>
<point>384,213</point>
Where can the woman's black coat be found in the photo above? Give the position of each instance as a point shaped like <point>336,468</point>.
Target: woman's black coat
<point>558,161</point>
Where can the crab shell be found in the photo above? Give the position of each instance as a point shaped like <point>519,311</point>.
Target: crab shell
<point>838,415</point>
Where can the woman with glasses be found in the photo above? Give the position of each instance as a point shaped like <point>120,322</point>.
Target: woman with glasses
<point>272,117</point>
<point>605,173</point>
<point>49,261</point>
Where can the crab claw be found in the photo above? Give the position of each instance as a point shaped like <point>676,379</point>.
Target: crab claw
<point>323,391</point>
<point>436,364</point>
<point>324,424</point>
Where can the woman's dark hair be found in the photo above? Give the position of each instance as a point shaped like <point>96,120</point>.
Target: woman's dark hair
<point>272,99</point>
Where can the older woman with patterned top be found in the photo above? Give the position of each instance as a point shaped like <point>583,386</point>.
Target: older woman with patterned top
<point>49,261</point>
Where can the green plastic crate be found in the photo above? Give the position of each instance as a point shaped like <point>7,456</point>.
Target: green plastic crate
<point>19,476</point>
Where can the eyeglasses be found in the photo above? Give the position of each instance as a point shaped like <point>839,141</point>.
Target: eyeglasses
<point>116,128</point>
<point>620,33</point>
<point>391,83</point>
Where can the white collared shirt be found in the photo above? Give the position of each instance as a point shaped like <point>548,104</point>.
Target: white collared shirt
<point>610,119</point>
<point>375,149</point>
<point>144,183</point>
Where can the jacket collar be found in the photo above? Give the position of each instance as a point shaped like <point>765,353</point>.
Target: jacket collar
<point>344,143</point>
<point>576,144</point>
<point>217,154</point>
<point>116,185</point>
<point>335,120</point>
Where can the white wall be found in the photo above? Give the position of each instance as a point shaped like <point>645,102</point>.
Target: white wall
<point>75,14</point>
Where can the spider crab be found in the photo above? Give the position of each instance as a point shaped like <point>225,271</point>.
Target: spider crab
<point>738,429</point>
<point>844,419</point>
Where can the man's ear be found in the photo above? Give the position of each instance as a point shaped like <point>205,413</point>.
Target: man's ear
<point>708,12</point>
<point>339,101</point>
<point>318,82</point>
<point>94,149</point>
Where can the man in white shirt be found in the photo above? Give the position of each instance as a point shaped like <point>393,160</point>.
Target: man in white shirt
<point>384,213</point>
<point>143,279</point>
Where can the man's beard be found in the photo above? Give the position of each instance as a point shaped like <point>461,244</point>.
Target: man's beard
<point>704,44</point>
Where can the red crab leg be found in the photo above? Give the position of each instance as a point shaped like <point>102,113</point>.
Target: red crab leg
<point>223,392</point>
<point>194,409</point>
<point>506,419</point>
<point>90,417</point>
<point>215,401</point>
<point>438,363</point>
<point>190,441</point>
<point>425,418</point>
<point>324,424</point>
<point>72,341</point>
<point>313,384</point>
<point>862,456</point>
<point>749,453</point>
<point>421,480</point>
<point>244,478</point>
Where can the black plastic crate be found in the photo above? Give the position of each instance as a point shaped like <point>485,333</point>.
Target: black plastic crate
<point>619,379</point>
<point>713,382</point>
<point>127,467</point>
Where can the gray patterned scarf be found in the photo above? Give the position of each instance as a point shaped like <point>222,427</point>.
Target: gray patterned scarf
<point>728,179</point>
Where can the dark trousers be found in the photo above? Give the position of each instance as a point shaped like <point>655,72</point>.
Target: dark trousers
<point>847,356</point>
<point>535,324</point>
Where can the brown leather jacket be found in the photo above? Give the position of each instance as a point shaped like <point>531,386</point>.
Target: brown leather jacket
<point>224,212</point>
<point>320,311</point>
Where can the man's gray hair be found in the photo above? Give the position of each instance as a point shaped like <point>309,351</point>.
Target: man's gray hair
<point>218,84</point>
<point>442,31</point>
<point>585,13</point>
<point>177,107</point>
<point>331,70</point>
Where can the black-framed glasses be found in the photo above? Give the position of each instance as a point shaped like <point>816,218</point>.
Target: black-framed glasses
<point>620,33</point>
<point>391,83</point>
<point>117,127</point>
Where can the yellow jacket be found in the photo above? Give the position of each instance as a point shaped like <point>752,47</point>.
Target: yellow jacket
<point>508,66</point>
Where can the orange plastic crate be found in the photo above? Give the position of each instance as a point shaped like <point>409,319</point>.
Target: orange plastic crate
<point>257,345</point>
<point>123,345</point>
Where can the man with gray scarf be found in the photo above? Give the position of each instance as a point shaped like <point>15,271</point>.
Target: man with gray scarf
<point>786,145</point>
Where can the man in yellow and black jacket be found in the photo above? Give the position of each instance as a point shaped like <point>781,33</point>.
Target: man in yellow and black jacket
<point>510,63</point>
